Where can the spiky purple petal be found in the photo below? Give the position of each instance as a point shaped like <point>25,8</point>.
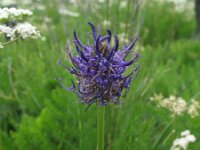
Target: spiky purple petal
<point>94,32</point>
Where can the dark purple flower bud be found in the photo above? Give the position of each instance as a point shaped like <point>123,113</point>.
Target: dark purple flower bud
<point>100,69</point>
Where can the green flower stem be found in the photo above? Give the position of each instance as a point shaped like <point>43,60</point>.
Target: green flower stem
<point>13,40</point>
<point>100,127</point>
<point>1,147</point>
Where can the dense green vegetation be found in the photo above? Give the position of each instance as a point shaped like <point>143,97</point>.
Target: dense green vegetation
<point>37,113</point>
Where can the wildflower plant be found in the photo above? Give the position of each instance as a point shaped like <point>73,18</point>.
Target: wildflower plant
<point>100,70</point>
<point>177,105</point>
<point>22,30</point>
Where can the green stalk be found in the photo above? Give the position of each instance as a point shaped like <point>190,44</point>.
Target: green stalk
<point>1,147</point>
<point>3,44</point>
<point>100,127</point>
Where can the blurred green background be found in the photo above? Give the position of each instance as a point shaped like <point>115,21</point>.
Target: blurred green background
<point>36,113</point>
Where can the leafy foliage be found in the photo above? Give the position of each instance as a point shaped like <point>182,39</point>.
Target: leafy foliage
<point>36,113</point>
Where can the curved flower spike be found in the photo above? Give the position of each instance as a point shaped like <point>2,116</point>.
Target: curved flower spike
<point>97,45</point>
<point>110,34</point>
<point>71,70</point>
<point>81,53</point>
<point>133,60</point>
<point>94,32</point>
<point>106,37</point>
<point>116,43</point>
<point>77,40</point>
<point>132,44</point>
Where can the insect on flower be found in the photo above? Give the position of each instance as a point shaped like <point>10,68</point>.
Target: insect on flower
<point>100,69</point>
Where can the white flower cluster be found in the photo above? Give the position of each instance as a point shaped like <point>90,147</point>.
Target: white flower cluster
<point>182,143</point>
<point>177,105</point>
<point>26,30</point>
<point>23,30</point>
<point>13,13</point>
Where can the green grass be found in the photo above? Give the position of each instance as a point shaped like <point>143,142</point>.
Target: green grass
<point>36,113</point>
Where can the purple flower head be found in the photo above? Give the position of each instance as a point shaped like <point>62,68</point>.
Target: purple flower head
<point>100,69</point>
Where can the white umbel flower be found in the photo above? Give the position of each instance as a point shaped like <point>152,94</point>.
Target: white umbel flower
<point>13,13</point>
<point>177,105</point>
<point>182,143</point>
<point>26,30</point>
